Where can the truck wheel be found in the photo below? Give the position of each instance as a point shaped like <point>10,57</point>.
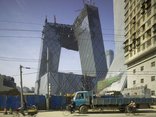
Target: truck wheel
<point>83,109</point>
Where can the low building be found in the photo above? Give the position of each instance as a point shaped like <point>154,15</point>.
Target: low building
<point>141,92</point>
<point>6,83</point>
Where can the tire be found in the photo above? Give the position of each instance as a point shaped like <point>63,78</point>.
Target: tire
<point>66,112</point>
<point>16,114</point>
<point>83,109</point>
<point>122,110</point>
<point>129,111</point>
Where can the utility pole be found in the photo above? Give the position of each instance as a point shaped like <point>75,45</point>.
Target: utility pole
<point>47,98</point>
<point>21,82</point>
<point>21,85</point>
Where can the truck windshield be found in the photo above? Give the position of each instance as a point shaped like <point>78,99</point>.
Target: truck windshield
<point>80,96</point>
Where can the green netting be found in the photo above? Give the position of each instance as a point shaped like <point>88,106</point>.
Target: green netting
<point>107,82</point>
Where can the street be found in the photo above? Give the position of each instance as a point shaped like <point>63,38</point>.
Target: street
<point>140,113</point>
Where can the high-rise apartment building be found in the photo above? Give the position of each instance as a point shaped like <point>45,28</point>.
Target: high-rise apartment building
<point>140,43</point>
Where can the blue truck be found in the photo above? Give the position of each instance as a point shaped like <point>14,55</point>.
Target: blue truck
<point>85,100</point>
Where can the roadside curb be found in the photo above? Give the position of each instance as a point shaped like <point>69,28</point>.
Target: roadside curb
<point>153,107</point>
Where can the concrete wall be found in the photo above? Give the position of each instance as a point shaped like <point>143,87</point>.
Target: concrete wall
<point>135,74</point>
<point>141,92</point>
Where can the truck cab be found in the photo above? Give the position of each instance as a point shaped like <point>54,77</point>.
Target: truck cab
<point>82,101</point>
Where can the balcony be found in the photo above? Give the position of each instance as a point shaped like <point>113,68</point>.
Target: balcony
<point>149,47</point>
<point>148,13</point>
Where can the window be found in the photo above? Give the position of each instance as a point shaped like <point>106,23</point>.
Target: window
<point>134,71</point>
<point>134,2</point>
<point>143,19</point>
<point>152,78</point>
<point>148,43</point>
<point>152,92</point>
<point>148,13</point>
<point>138,41</point>
<point>80,96</point>
<point>138,49</point>
<point>154,27</point>
<point>143,37</point>
<point>141,68</point>
<point>134,82</point>
<point>142,81</point>
<point>149,22</point>
<point>143,46</point>
<point>154,16</point>
<point>148,33</point>
<point>126,28</point>
<point>143,28</point>
<point>153,64</point>
<point>138,23</point>
<point>138,32</point>
<point>138,7</point>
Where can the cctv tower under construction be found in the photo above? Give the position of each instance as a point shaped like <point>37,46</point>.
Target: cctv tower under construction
<point>85,36</point>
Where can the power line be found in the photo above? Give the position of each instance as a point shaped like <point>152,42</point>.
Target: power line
<point>35,30</point>
<point>26,74</point>
<point>64,71</point>
<point>19,37</point>
<point>18,59</point>
<point>32,23</point>
<point>19,22</point>
<point>28,30</point>
<point>41,37</point>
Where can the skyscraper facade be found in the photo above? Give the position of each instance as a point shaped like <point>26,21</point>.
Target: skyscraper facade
<point>110,57</point>
<point>87,29</point>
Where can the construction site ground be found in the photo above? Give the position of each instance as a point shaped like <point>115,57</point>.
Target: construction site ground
<point>115,113</point>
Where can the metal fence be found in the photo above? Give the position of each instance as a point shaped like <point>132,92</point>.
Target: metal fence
<point>13,102</point>
<point>55,102</point>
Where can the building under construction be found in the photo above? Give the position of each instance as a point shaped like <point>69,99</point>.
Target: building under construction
<point>85,36</point>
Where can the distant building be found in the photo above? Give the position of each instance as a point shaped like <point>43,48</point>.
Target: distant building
<point>140,43</point>
<point>6,83</point>
<point>26,90</point>
<point>141,92</point>
<point>32,89</point>
<point>117,70</point>
<point>64,83</point>
<point>109,57</point>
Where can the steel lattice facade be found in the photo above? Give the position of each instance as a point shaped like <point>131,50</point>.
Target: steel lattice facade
<point>85,36</point>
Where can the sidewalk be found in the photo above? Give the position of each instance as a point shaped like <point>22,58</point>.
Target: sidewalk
<point>153,106</point>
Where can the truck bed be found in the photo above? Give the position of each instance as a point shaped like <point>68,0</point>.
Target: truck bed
<point>123,101</point>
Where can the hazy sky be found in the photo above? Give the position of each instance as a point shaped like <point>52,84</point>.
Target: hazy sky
<point>21,24</point>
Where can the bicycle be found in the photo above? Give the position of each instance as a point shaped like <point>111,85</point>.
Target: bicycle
<point>130,110</point>
<point>69,110</point>
<point>30,111</point>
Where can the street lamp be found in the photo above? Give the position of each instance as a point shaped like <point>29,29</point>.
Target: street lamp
<point>22,83</point>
